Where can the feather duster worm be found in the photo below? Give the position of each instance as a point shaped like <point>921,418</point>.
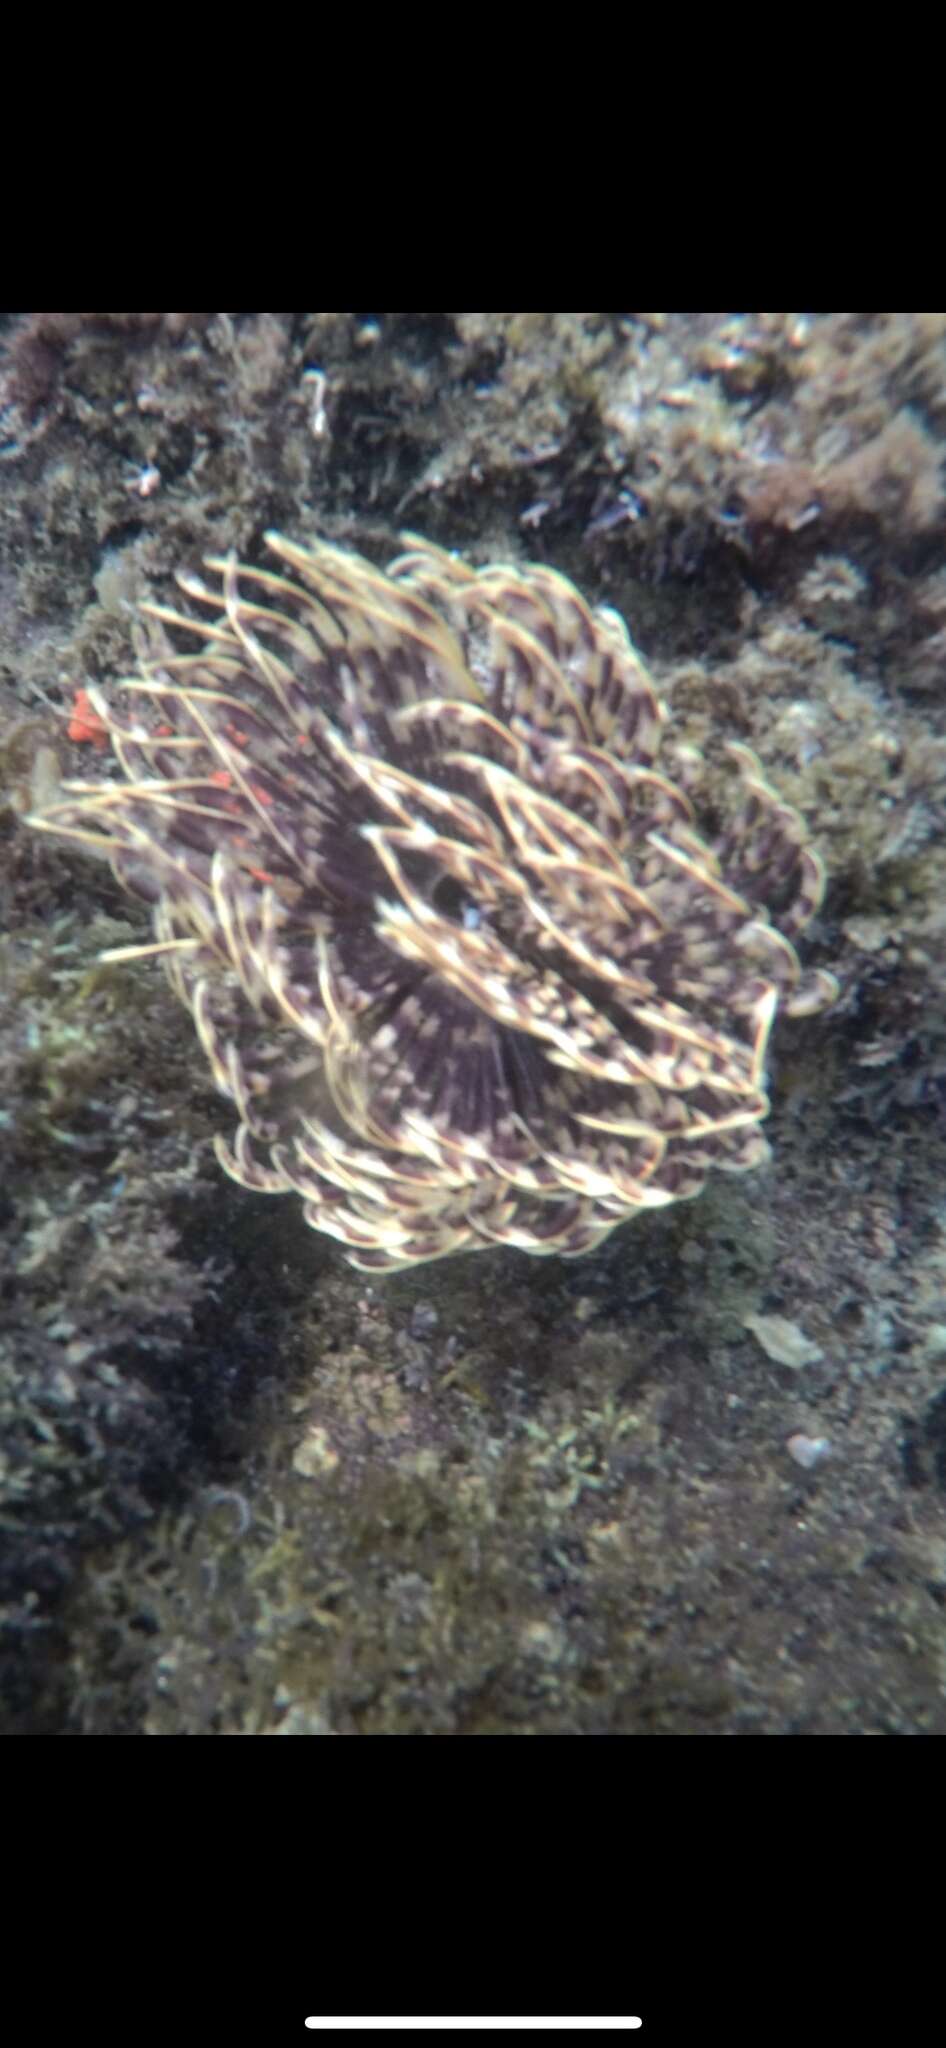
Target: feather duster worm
<point>454,943</point>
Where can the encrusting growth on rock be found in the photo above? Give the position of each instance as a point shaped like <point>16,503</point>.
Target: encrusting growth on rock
<point>454,944</point>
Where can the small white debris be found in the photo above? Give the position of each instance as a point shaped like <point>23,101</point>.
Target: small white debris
<point>145,481</point>
<point>783,1341</point>
<point>318,418</point>
<point>808,1451</point>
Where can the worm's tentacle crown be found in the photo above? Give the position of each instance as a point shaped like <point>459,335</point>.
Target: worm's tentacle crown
<point>454,943</point>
